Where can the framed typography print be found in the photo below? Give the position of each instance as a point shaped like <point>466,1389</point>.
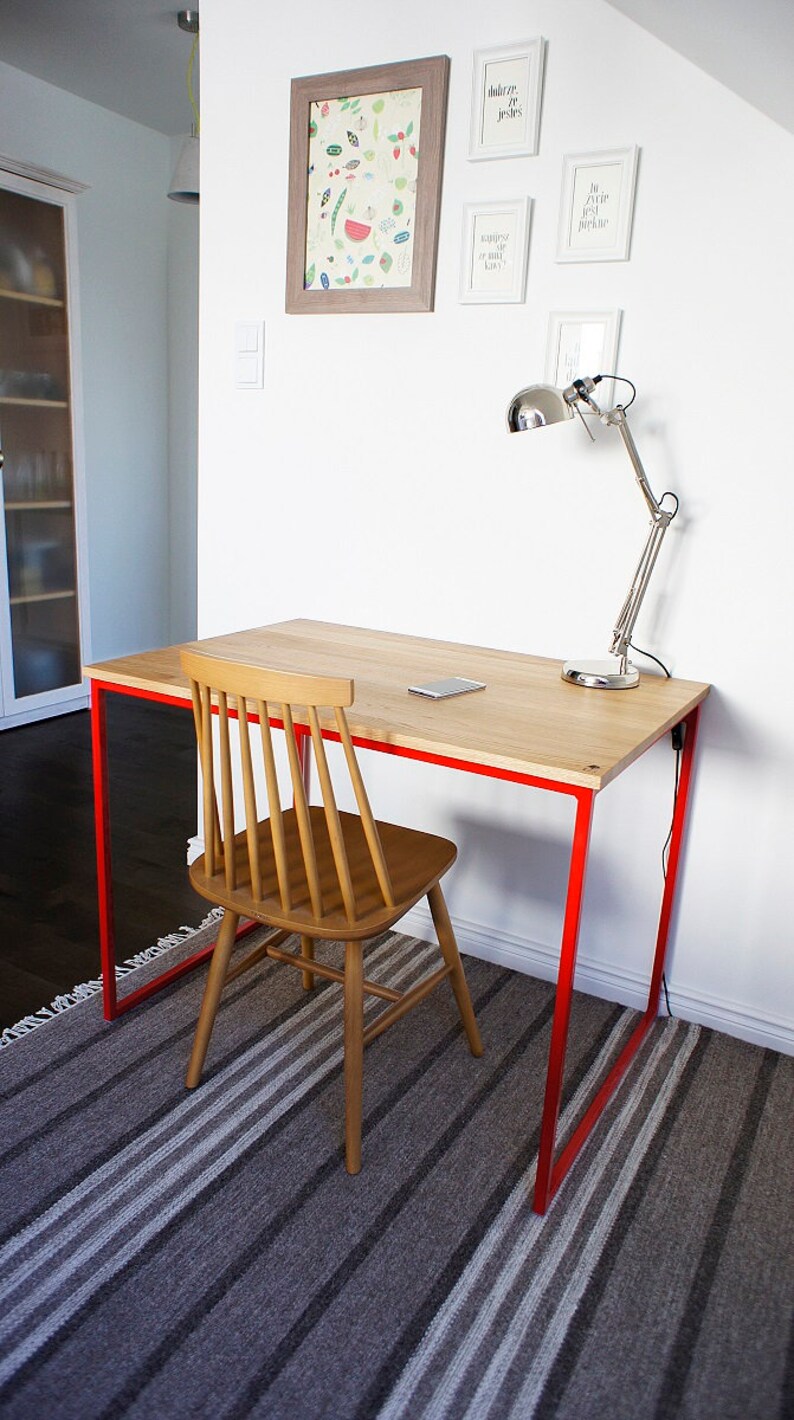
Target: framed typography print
<point>582,343</point>
<point>507,86</point>
<point>494,259</point>
<point>366,155</point>
<point>597,205</point>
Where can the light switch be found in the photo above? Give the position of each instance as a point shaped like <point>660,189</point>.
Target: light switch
<point>249,372</point>
<point>249,355</point>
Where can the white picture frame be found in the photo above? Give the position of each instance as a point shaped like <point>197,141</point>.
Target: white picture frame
<point>583,343</point>
<point>597,205</point>
<point>493,265</point>
<point>507,89</point>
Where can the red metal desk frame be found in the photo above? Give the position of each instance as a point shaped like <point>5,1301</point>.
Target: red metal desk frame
<point>550,1172</point>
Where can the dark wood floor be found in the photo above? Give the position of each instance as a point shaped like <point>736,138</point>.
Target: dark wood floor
<point>48,898</point>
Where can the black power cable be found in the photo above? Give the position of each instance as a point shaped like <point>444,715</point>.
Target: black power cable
<point>678,744</point>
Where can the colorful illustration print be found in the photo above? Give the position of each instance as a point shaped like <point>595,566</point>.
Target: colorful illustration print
<point>361,193</point>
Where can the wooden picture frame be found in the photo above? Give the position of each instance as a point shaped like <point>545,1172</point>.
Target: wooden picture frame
<point>493,264</point>
<point>365,165</point>
<point>507,89</point>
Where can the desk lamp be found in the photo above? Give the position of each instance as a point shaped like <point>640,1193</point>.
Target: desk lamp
<point>538,405</point>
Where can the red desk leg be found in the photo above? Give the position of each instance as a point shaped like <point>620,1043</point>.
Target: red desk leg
<point>562,1003</point>
<point>113,1006</point>
<point>549,1174</point>
<point>107,946</point>
<point>674,859</point>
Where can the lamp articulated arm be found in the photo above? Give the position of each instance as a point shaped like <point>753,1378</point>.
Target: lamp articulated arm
<point>581,392</point>
<point>661,519</point>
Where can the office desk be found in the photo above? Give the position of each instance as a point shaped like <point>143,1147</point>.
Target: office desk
<point>528,726</point>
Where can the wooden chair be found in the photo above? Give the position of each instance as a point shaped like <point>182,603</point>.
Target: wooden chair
<point>313,870</point>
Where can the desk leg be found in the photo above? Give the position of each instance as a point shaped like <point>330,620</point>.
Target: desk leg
<point>99,754</point>
<point>676,842</point>
<point>550,1175</point>
<point>562,1004</point>
<point>113,1007</point>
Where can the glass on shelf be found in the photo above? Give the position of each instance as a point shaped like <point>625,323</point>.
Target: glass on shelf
<point>29,384</point>
<point>40,477</point>
<point>18,478</point>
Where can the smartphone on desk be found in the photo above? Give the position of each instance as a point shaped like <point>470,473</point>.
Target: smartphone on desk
<point>440,689</point>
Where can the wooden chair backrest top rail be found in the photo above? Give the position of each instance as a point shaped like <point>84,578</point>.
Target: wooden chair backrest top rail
<point>259,683</point>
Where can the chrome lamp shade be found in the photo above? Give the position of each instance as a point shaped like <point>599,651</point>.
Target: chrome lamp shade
<point>537,406</point>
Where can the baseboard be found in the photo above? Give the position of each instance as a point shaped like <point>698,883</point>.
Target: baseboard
<point>630,988</point>
<point>595,979</point>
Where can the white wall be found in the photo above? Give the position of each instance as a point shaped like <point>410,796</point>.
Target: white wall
<point>183,290</point>
<point>123,230</point>
<point>465,533</point>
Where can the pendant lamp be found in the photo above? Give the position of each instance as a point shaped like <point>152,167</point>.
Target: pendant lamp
<point>185,181</point>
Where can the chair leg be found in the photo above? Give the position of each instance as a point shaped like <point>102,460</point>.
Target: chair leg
<point>354,1053</point>
<point>212,995</point>
<point>307,950</point>
<point>449,951</point>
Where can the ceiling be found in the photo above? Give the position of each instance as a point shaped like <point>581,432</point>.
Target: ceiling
<point>130,55</point>
<point>127,55</point>
<point>747,47</point>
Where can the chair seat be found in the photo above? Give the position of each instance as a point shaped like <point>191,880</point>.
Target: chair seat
<point>415,861</point>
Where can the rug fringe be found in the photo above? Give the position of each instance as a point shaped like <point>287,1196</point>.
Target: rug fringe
<point>87,989</point>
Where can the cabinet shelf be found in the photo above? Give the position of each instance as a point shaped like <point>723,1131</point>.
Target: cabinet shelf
<point>29,505</point>
<point>29,298</point>
<point>35,403</point>
<point>29,597</point>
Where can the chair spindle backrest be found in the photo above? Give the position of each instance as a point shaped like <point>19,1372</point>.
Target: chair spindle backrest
<point>238,690</point>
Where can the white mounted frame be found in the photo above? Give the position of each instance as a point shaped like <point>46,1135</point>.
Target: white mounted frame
<point>582,343</point>
<point>493,264</point>
<point>597,205</point>
<point>507,87</point>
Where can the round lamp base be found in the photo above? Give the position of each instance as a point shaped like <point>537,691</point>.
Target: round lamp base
<point>601,675</point>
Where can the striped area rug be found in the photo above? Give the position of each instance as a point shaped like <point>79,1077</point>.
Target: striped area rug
<point>168,1255</point>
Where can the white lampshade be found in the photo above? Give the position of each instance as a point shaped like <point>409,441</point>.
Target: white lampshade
<point>185,182</point>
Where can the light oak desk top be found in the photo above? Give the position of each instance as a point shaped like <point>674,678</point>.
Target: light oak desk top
<point>527,721</point>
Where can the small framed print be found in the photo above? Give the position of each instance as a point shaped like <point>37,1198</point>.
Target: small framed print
<point>494,258</point>
<point>506,95</point>
<point>597,205</point>
<point>582,343</point>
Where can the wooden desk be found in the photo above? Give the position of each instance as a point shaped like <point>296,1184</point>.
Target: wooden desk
<point>528,726</point>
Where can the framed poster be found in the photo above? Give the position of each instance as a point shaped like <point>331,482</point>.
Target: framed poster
<point>582,343</point>
<point>597,205</point>
<point>494,259</point>
<point>366,153</point>
<point>507,87</point>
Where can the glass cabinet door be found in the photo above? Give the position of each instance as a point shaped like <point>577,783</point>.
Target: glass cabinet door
<point>42,633</point>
